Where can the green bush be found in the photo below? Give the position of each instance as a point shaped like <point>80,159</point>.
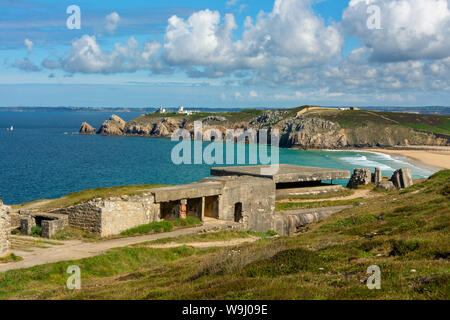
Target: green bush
<point>403,247</point>
<point>36,231</point>
<point>286,262</point>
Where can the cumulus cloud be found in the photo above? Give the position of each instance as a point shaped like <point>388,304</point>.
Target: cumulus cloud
<point>86,56</point>
<point>112,21</point>
<point>29,44</point>
<point>410,29</point>
<point>278,40</point>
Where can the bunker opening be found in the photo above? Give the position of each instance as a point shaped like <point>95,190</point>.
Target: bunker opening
<point>212,207</point>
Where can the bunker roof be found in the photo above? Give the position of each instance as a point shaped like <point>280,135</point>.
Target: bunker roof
<point>285,174</point>
<point>187,191</point>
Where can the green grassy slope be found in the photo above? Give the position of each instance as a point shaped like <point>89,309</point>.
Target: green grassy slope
<point>407,234</point>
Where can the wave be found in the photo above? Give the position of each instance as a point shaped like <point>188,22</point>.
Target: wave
<point>364,162</point>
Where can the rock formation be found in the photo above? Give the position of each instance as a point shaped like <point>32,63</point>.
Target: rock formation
<point>4,230</point>
<point>386,185</point>
<point>360,177</point>
<point>402,178</point>
<point>86,128</point>
<point>376,177</point>
<point>114,126</point>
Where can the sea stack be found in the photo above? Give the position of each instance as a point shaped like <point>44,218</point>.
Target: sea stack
<point>86,128</point>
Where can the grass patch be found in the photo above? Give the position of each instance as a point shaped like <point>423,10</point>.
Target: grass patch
<point>10,258</point>
<point>161,226</point>
<point>336,194</point>
<point>285,206</point>
<point>36,231</point>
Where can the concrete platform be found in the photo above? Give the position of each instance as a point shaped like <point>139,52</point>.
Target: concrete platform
<point>286,174</point>
<point>187,191</point>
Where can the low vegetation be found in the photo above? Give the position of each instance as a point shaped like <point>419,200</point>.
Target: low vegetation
<point>10,258</point>
<point>284,206</point>
<point>337,194</point>
<point>213,236</point>
<point>406,234</point>
<point>161,226</point>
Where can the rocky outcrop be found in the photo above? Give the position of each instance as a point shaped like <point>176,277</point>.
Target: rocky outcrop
<point>86,128</point>
<point>4,230</point>
<point>377,177</point>
<point>386,185</point>
<point>114,126</point>
<point>402,178</point>
<point>268,118</point>
<point>312,133</point>
<point>297,130</point>
<point>360,177</point>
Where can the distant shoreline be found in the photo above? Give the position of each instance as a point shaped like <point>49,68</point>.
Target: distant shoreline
<point>429,158</point>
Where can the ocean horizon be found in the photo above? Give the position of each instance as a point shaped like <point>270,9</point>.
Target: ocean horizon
<point>45,157</point>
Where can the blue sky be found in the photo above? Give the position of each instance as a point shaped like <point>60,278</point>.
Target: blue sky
<point>233,53</point>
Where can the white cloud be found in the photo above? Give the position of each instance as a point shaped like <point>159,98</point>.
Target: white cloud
<point>411,29</point>
<point>289,36</point>
<point>253,94</point>
<point>86,56</point>
<point>112,21</point>
<point>231,3</point>
<point>29,44</point>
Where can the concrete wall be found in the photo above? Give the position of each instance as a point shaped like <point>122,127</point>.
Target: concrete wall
<point>111,216</point>
<point>119,214</point>
<point>257,196</point>
<point>4,230</point>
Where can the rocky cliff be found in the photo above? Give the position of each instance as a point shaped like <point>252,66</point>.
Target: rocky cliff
<point>313,129</point>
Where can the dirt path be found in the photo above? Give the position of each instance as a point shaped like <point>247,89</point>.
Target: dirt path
<point>363,193</point>
<point>383,117</point>
<point>77,249</point>
<point>209,244</point>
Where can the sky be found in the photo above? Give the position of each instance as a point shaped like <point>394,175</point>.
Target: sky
<point>224,53</point>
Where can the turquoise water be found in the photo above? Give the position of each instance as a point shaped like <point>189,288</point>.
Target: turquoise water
<point>44,157</point>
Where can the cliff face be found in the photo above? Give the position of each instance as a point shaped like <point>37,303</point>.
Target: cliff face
<point>114,126</point>
<point>297,130</point>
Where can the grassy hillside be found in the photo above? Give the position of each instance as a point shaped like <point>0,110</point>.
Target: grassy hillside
<point>407,234</point>
<point>362,118</point>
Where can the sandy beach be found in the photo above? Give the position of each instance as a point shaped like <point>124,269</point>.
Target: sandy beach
<point>432,158</point>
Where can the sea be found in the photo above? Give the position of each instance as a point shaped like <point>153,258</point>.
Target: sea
<point>44,157</point>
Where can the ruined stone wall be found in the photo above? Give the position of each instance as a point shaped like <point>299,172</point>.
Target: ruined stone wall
<point>85,216</point>
<point>119,214</point>
<point>257,196</point>
<point>4,230</point>
<point>111,216</point>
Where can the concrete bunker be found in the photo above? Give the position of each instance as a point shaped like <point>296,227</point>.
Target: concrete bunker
<point>212,207</point>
